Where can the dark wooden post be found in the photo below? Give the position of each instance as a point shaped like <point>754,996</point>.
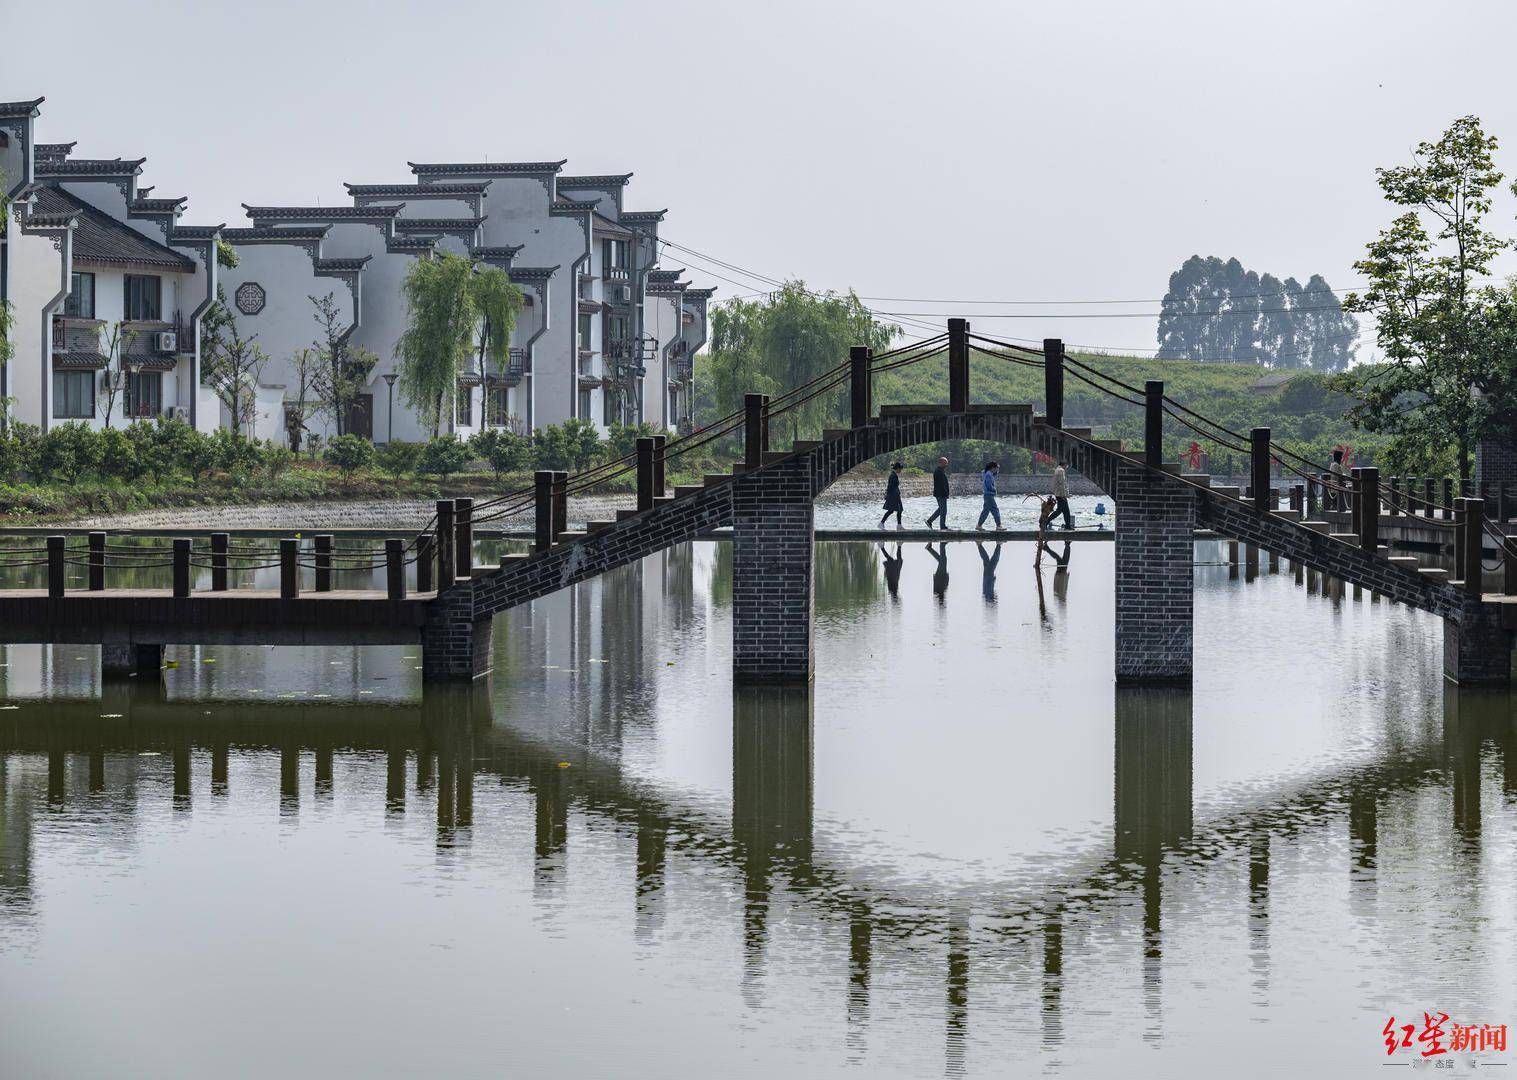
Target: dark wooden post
<point>560,503</point>
<point>1430,494</point>
<point>1503,514</point>
<point>289,569</point>
<point>958,365</point>
<point>1509,566</point>
<point>861,384</point>
<point>542,489</point>
<point>463,536</point>
<point>1459,527</point>
<point>755,423</point>
<point>1311,499</point>
<point>1356,500</point>
<point>1394,499</point>
<point>1053,381</point>
<point>97,561</point>
<point>1484,495</point>
<point>645,473</point>
<point>1259,470</point>
<point>220,544</point>
<point>1153,423</point>
<point>1368,492</point>
<point>660,479</point>
<point>55,566</point>
<point>1297,497</point>
<point>321,547</point>
<point>447,548</point>
<point>425,562</point>
<point>182,567</point>
<point>1474,537</point>
<point>395,567</point>
<point>1448,498</point>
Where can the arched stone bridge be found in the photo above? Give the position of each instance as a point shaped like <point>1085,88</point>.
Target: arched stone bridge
<point>770,511</point>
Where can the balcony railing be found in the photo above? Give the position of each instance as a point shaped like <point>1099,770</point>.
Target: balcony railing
<point>616,273</point>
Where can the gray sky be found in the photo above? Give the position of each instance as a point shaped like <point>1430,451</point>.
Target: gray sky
<point>954,151</point>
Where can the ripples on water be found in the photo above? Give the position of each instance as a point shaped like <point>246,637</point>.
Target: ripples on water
<point>963,852</point>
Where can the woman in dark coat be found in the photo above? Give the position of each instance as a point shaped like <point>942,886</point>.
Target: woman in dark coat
<point>893,496</point>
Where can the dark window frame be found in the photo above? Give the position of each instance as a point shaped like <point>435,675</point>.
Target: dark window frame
<point>63,394</point>
<point>142,302</point>
<point>74,306</point>
<point>135,381</point>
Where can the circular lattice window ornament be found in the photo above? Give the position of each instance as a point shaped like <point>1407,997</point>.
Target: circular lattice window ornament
<point>250,298</point>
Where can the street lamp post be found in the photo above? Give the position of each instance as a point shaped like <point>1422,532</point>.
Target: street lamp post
<point>389,377</point>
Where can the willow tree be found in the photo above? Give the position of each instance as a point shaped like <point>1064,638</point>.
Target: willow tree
<point>456,313</point>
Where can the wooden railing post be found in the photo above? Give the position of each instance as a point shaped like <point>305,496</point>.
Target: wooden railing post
<point>1369,514</point>
<point>542,490</point>
<point>1509,566</point>
<point>1474,543</point>
<point>321,549</point>
<point>861,385</point>
<point>560,503</point>
<point>1430,495</point>
<point>1356,500</point>
<point>1460,522</point>
<point>463,536</point>
<point>1153,423</point>
<point>1297,498</point>
<point>1503,510</point>
<point>447,547</point>
<point>182,567</point>
<point>1053,381</point>
<point>97,561</point>
<point>55,566</point>
<point>1311,499</point>
<point>1259,467</point>
<point>660,477</point>
<point>645,473</point>
<point>426,556</point>
<point>755,428</point>
<point>958,365</point>
<point>1394,499</point>
<point>1449,506</point>
<point>289,569</point>
<point>395,568</point>
<point>221,543</point>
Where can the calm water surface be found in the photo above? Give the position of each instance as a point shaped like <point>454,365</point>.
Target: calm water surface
<point>962,853</point>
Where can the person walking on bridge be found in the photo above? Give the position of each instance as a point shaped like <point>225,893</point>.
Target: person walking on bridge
<point>1061,493</point>
<point>940,493</point>
<point>988,488</point>
<point>893,495</point>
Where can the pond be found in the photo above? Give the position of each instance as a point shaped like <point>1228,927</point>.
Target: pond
<point>962,852</point>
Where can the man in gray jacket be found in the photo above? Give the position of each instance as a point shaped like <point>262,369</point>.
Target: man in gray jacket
<point>1061,494</point>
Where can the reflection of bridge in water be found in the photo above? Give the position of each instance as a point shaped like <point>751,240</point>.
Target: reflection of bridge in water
<point>438,748</point>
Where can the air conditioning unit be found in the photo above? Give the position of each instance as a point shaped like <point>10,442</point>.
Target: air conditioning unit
<point>622,294</point>
<point>165,341</point>
<point>176,412</point>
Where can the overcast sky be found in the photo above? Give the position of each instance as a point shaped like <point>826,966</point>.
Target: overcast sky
<point>945,152</point>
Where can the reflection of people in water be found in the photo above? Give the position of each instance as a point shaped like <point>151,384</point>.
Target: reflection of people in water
<point>940,575</point>
<point>988,562</point>
<point>892,570</point>
<point>1061,573</point>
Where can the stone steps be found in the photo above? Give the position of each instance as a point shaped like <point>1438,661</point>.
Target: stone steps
<point>713,479</point>
<point>1436,573</point>
<point>769,457</point>
<point>597,526</point>
<point>1228,491</point>
<point>681,490</point>
<point>833,434</point>
<point>801,446</point>
<point>569,536</point>
<point>1200,479</point>
<point>623,515</point>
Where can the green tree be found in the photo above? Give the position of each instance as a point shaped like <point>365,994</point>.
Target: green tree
<point>503,450</point>
<point>397,458</point>
<point>230,363</point>
<point>350,453</point>
<point>444,455</point>
<point>113,380</point>
<point>341,369</point>
<point>67,452</point>
<point>572,445</point>
<point>785,341</point>
<point>1442,331</point>
<point>455,313</point>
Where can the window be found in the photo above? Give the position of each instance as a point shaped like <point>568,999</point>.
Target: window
<point>465,399</point>
<point>143,298</point>
<point>81,297</point>
<point>74,395</point>
<point>499,413</point>
<point>608,408</point>
<point>144,394</point>
<point>584,404</point>
<point>585,330</point>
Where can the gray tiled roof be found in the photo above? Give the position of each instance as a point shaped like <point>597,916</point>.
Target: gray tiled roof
<point>486,168</point>
<point>158,206</point>
<point>411,245</point>
<point>101,238</point>
<point>532,273</point>
<point>665,275</point>
<point>13,109</point>
<point>341,266</point>
<point>90,167</point>
<point>289,235</point>
<point>79,358</point>
<point>603,224</point>
<point>190,234</point>
<point>322,213</point>
<point>572,206</point>
<point>643,216</point>
<point>700,294</point>
<point>610,180</point>
<point>420,191</point>
<point>507,251</point>
<point>420,224</point>
<point>55,149</point>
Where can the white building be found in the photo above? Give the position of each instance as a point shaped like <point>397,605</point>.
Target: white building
<point>90,261</point>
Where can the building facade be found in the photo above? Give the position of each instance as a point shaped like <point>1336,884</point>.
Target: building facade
<point>105,283</point>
